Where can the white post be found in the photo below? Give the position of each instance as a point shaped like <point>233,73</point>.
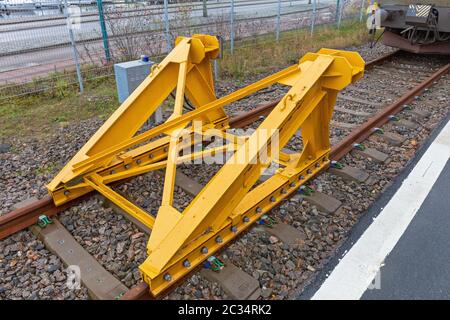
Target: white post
<point>361,11</point>
<point>313,19</point>
<point>232,27</point>
<point>74,49</point>
<point>166,22</point>
<point>278,21</point>
<point>341,6</point>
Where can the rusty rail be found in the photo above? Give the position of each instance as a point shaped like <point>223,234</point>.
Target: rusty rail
<point>366,129</point>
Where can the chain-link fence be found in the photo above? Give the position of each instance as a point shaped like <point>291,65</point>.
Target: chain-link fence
<point>65,42</point>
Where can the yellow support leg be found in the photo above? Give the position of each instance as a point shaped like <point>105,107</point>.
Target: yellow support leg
<point>229,203</point>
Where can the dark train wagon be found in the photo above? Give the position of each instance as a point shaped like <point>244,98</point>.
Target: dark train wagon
<point>416,26</point>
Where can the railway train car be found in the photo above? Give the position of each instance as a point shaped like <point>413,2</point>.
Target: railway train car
<point>420,26</point>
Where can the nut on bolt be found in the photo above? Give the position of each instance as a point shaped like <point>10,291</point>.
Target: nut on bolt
<point>167,277</point>
<point>186,263</point>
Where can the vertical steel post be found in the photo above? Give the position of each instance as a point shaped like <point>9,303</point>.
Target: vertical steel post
<point>216,70</point>
<point>166,23</point>
<point>278,21</point>
<point>205,9</point>
<point>101,17</point>
<point>313,19</point>
<point>336,16</point>
<point>361,11</point>
<point>232,27</point>
<point>74,49</point>
<point>341,5</point>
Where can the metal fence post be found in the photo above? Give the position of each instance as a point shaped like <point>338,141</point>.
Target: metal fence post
<point>103,29</point>
<point>166,23</point>
<point>361,11</point>
<point>278,21</point>
<point>216,70</point>
<point>232,27</point>
<point>74,49</point>
<point>338,4</point>
<point>340,8</point>
<point>205,9</point>
<point>313,19</point>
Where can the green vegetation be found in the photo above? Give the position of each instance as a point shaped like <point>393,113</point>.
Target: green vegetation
<point>40,113</point>
<point>262,54</point>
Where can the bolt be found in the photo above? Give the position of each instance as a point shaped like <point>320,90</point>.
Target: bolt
<point>317,165</point>
<point>167,277</point>
<point>138,161</point>
<point>301,178</point>
<point>186,263</point>
<point>273,199</point>
<point>151,156</point>
<point>218,239</point>
<point>66,192</point>
<point>127,166</point>
<point>292,184</point>
<point>325,159</point>
<point>258,210</point>
<point>165,149</point>
<point>233,229</point>
<point>246,219</point>
<point>283,191</point>
<point>112,172</point>
<point>309,171</point>
<point>204,250</point>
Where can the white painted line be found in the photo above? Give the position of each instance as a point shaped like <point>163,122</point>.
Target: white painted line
<point>357,269</point>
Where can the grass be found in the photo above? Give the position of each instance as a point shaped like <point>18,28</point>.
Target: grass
<point>38,115</point>
<point>263,54</point>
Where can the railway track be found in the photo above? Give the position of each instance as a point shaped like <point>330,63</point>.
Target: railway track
<point>373,117</point>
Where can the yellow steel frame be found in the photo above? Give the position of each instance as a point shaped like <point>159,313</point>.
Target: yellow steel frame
<point>227,205</point>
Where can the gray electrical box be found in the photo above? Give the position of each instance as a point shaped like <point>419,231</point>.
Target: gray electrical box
<point>129,75</point>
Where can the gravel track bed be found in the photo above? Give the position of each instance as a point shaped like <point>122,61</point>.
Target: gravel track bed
<point>120,247</point>
<point>284,271</point>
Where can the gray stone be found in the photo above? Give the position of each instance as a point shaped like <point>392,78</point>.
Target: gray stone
<point>52,268</point>
<point>4,147</point>
<point>290,265</point>
<point>266,293</point>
